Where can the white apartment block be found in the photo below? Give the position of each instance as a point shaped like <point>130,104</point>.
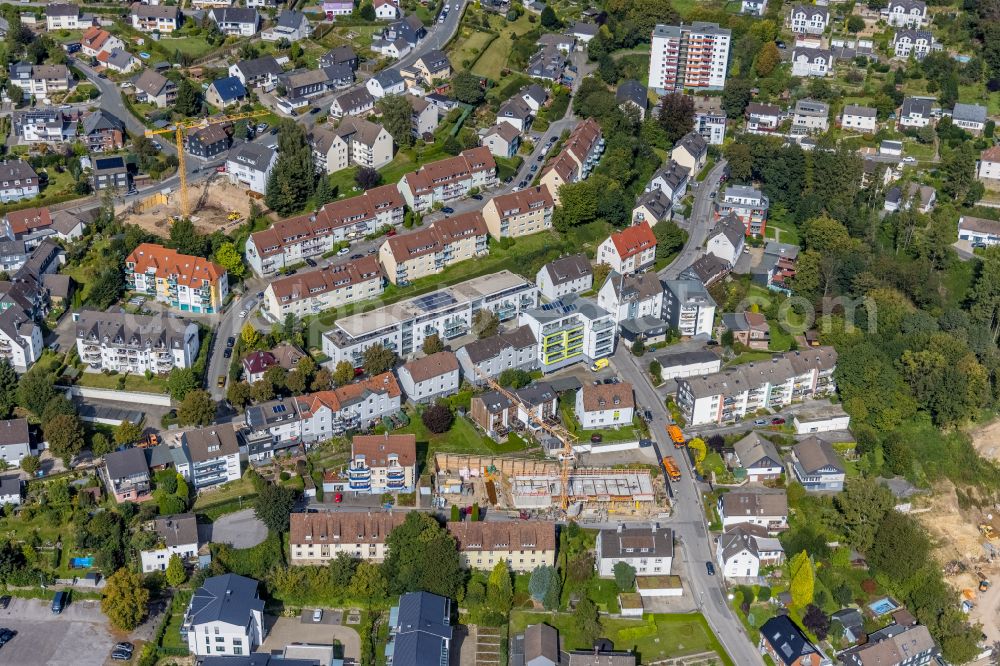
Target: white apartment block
<point>605,406</point>
<point>917,43</point>
<point>688,307</point>
<point>250,164</point>
<point>566,275</point>
<point>811,62</point>
<point>906,13</point>
<point>570,330</point>
<point>20,338</point>
<point>449,179</point>
<point>631,296</point>
<point>861,118</point>
<point>447,313</point>
<point>225,617</point>
<point>135,343</point>
<point>689,56</point>
<point>312,292</point>
<point>749,204</point>
<point>426,379</point>
<point>176,535</point>
<point>40,80</point>
<point>740,391</point>
<point>808,19</point>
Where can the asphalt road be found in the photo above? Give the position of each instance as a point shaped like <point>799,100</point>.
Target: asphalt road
<point>699,224</point>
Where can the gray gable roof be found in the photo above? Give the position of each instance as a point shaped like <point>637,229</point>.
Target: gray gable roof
<point>122,464</point>
<point>258,67</point>
<point>815,455</point>
<point>730,227</point>
<point>567,269</point>
<point>388,77</point>
<point>974,113</point>
<point>632,91</point>
<point>228,598</point>
<point>102,120</point>
<point>754,451</point>
<point>487,348</point>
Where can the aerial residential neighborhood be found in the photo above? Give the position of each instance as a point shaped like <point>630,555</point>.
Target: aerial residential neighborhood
<point>464,332</point>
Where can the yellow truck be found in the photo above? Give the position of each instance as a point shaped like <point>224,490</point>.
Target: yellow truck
<point>672,471</point>
<point>676,436</point>
<point>599,364</point>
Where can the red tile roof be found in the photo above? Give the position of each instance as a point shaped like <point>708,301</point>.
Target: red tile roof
<point>631,241</point>
<point>450,169</point>
<point>190,271</point>
<point>258,361</point>
<point>434,238</point>
<point>340,397</point>
<point>311,284</point>
<point>27,219</point>
<point>377,448</point>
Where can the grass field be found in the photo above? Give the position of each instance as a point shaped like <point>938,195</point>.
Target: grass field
<point>132,382</point>
<point>461,438</point>
<point>653,638</point>
<point>194,47</point>
<point>403,163</point>
<point>789,234</point>
<point>467,48</point>
<point>494,59</point>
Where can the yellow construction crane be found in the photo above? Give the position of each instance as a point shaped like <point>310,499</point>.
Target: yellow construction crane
<point>180,129</point>
<point>558,431</point>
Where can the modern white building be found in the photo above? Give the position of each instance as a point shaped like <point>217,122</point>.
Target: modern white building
<point>742,550</point>
<point>689,56</point>
<point>175,535</point>
<point>688,307</point>
<point>567,275</point>
<point>710,119</point>
<point>570,330</point>
<point>649,550</point>
<point>762,118</point>
<point>489,357</point>
<point>748,204</point>
<point>225,617</point>
<point>821,419</point>
<point>906,13</point>
<point>209,456</point>
<point>808,61</point>
<point>861,118</point>
<point>430,377</point>
<point>603,406</point>
<point>20,338</point>
<point>17,181</point>
<point>447,313</point>
<point>629,250</point>
<point>249,165</point>
<point>135,343</point>
<point>916,112</point>
<point>811,116</point>
<point>631,297</point>
<point>809,19</point>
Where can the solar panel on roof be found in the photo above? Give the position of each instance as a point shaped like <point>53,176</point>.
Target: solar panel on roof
<point>279,409</point>
<point>434,301</point>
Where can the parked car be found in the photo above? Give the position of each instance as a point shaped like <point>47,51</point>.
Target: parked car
<point>221,381</point>
<point>357,256</point>
<point>710,568</point>
<point>59,602</point>
<point>5,635</point>
<point>760,422</point>
<point>477,197</point>
<point>318,615</point>
<point>447,210</point>
<point>262,127</point>
<point>228,353</point>
<point>311,262</point>
<point>777,420</point>
<point>595,439</point>
<point>338,498</point>
<point>231,341</point>
<point>342,252</point>
<point>243,314</point>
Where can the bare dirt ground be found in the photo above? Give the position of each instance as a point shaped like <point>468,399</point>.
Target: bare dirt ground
<point>211,203</point>
<point>986,440</point>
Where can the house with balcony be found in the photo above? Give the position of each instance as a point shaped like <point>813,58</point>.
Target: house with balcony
<point>523,545</point>
<point>17,181</point>
<point>489,357</point>
<point>748,204</point>
<point>260,72</point>
<point>496,414</point>
<point>399,37</point>
<point>126,475</point>
<point>777,266</point>
<point>571,274</point>
<point>916,43</point>
<point>318,538</point>
<point>727,239</point>
<point>40,80</point>
<point>151,87</point>
<point>291,25</point>
<point>817,466</point>
<point>894,645</point>
<point>249,165</point>
<point>425,379</point>
<point>630,250</point>
<point>631,296</point>
<point>382,464</point>
<point>420,630</point>
<point>175,535</point>
<point>95,41</point>
<point>742,550</point>
<point>184,282</point>
<point>135,343</point>
<point>209,455</point>
<point>861,118</point>
<point>808,61</point>
<point>652,207</point>
<point>449,179</point>
<point>579,155</point>
<point>407,257</point>
<point>648,550</point>
<point>671,179</point>
<point>762,118</point>
<point>156,18</point>
<point>424,119</point>
<point>294,240</point>
<point>270,428</point>
<point>688,307</point>
<point>312,292</point>
<point>239,21</point>
<point>749,329</point>
<point>356,406</point>
<point>906,13</point>
<point>355,141</point>
<point>44,125</point>
<point>20,338</point>
<point>757,457</point>
<point>103,131</point>
<point>225,617</point>
<point>502,139</point>
<point>570,330</point>
<point>809,19</point>
<point>810,116</point>
<point>522,213</point>
<point>764,509</point>
<point>916,112</point>
<point>66,16</point>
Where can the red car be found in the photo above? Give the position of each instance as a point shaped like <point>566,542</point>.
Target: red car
<point>221,169</point>
<point>777,420</point>
<point>338,498</point>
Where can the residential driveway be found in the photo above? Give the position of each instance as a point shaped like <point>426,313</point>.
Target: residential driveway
<point>287,630</point>
<point>240,530</point>
<point>79,635</point>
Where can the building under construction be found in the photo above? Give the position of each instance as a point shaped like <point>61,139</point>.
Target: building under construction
<point>536,485</point>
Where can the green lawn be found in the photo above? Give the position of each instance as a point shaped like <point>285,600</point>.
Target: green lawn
<point>789,234</point>
<point>653,638</point>
<point>133,382</point>
<point>494,59</point>
<point>750,357</point>
<point>568,409</point>
<point>781,340</point>
<point>462,438</point>
<point>468,47</point>
<point>194,47</point>
<point>232,490</point>
<point>60,188</point>
<point>921,151</point>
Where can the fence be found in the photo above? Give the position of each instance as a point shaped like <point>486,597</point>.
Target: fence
<point>133,397</point>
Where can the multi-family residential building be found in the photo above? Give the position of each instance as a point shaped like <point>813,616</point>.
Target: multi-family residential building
<point>918,43</point>
<point>630,250</point>
<point>15,441</point>
<point>785,643</point>
<point>603,406</point>
<point>970,117</point>
<point>777,265</point>
<point>916,112</point>
<point>428,378</point>
<point>185,282</point>
<point>671,179</point>
<point>429,251</point>
<point>351,407</point>
<point>135,343</point>
<point>863,118</point>
<point>156,18</point>
<point>727,239</point>
<point>354,141</point>
<point>303,84</point>
<point>765,509</point>
<point>710,119</point>
<point>632,95</point>
<point>40,80</point>
<point>489,357</point>
<point>524,545</point>
<point>225,92</point>
<point>291,25</point>
<point>811,116</point>
<point>691,152</point>
<point>520,213</point>
<point>817,466</point>
<point>762,118</point>
<point>291,241</point>
<point>579,155</point>
<point>240,21</point>
<point>737,392</point>
<point>502,139</point>
<point>748,328</point>
<point>742,550</point>
<point>249,165</point>
<point>631,296</point>
<point>154,88</point>
<point>906,13</point>
<point>648,550</point>
<point>209,456</point>
<point>382,464</point>
<point>95,41</point>
<point>447,313</point>
<point>126,475</point>
<point>270,428</point>
<point>421,630</point>
<point>807,61</point>
<point>111,172</point>
<point>572,274</point>
<point>748,204</point>
<point>311,292</point>
<point>988,169</point>
<point>449,179</point>
<point>570,330</point>
<point>431,66</point>
<point>65,16</point>
<point>225,617</point>
<point>753,7</point>
<point>688,307</point>
<point>103,131</point>
<point>175,535</point>
<point>386,82</point>
<point>17,181</point>
<point>357,102</point>
<point>809,19</point>
<point>318,538</point>
<point>652,207</point>
<point>209,141</point>
<point>548,63</point>
<point>45,125</point>
<point>30,225</point>
<point>689,56</point>
<point>261,72</point>
<point>424,119</point>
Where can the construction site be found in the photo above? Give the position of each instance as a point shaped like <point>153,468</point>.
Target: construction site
<point>527,485</point>
<point>216,205</point>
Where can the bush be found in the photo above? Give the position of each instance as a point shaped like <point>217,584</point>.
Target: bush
<point>437,419</point>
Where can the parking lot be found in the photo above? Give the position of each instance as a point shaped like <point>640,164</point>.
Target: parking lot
<point>302,629</point>
<point>79,635</point>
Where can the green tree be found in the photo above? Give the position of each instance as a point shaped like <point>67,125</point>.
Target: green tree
<point>30,465</point>
<point>801,580</point>
<point>325,191</point>
<point>500,589</point>
<point>432,344</point>
<point>514,378</point>
<point>34,391</point>
<point>342,569</point>
<point>624,576</point>
<point>437,418</point>
<point>64,434</point>
<point>322,380</point>
<point>549,19</point>
<point>230,258</point>
<point>100,445</point>
<point>239,394</point>
<point>369,584</point>
<point>293,179</point>
<point>8,388</point>
<point>735,97</point>
<point>125,600</point>
<point>485,324</point>
<point>740,161</point>
<point>343,373</point>
<point>676,115</point>
<point>127,432</point>
<point>273,506</point>
<point>107,288</point>
<point>188,100</point>
<point>295,382</point>
<point>855,23</point>
<point>466,88</point>
<point>901,548</point>
<point>176,574</point>
<point>185,238</point>
<point>767,59</point>
<point>541,579</point>
<point>396,116</point>
<point>197,408</point>
<point>367,11</point>
<point>251,336</point>
<point>669,239</point>
<point>422,556</point>
<point>378,359</point>
<point>180,382</point>
<point>861,507</point>
<point>587,621</point>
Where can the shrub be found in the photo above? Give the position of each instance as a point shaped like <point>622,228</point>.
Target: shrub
<point>437,418</point>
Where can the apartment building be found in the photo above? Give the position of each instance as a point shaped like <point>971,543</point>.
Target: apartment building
<point>630,250</point>
<point>209,141</point>
<point>354,406</point>
<point>671,179</point>
<point>688,307</point>
<point>40,80</point>
<point>895,645</point>
<point>648,550</point>
<point>447,313</point>
<point>358,102</point>
<point>748,204</point>
<point>424,119</point>
<point>808,19</point>
<point>126,475</point>
<point>239,21</point>
<point>184,282</point>
<point>354,141</point>
<point>906,13</point>
<point>156,18</point>
<point>318,538</point>
<point>382,464</point>
<point>503,140</point>
<point>572,274</point>
<point>425,379</point>
<point>727,239</point>
<point>570,330</point>
<point>95,41</point>
<point>208,456</point>
<point>738,392</point>
<point>521,213</point>
<point>262,72</point>
<point>631,296</point>
<point>652,207</point>
<point>65,16</point>
<point>311,292</point>
<point>688,56</point>
<point>249,165</point>
<point>768,510</point>
<point>135,343</point>
<point>111,173</point>
<point>225,617</point>
<point>918,43</point>
<point>449,179</point>
<point>489,357</point>
<point>862,118</point>
<point>20,338</point>
<point>579,155</point>
<point>291,241</point>
<point>429,251</point>
<point>710,120</point>
<point>742,550</point>
<point>808,61</point>
<point>523,545</point>
<point>44,125</point>
<point>916,112</point>
<point>103,132</point>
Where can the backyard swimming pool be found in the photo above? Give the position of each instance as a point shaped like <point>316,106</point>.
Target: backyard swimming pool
<point>883,606</point>
<point>81,562</point>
